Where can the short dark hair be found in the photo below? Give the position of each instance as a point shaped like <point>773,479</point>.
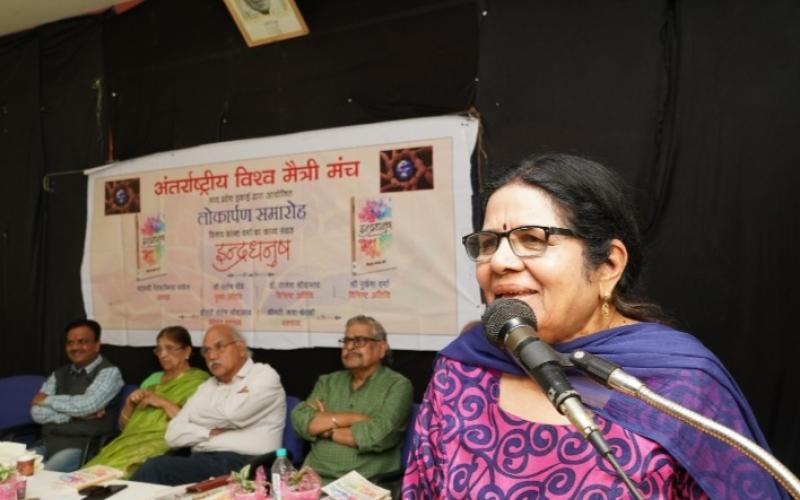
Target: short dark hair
<point>594,203</point>
<point>91,324</point>
<point>177,334</point>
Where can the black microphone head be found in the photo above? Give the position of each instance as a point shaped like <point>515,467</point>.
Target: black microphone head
<point>500,312</point>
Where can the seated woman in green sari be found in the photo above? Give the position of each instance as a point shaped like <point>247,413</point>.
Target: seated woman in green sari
<point>149,409</point>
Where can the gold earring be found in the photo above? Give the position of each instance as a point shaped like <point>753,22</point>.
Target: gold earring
<point>605,309</point>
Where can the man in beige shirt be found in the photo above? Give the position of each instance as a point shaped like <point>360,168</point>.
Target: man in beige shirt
<point>235,415</point>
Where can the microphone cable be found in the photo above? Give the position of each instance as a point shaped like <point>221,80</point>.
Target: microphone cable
<point>603,449</point>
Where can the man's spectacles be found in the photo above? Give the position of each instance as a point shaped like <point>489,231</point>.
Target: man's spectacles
<point>525,241</point>
<point>80,342</point>
<point>355,341</point>
<point>218,347</point>
<point>166,350</point>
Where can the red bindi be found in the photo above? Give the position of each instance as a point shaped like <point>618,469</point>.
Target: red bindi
<point>504,226</point>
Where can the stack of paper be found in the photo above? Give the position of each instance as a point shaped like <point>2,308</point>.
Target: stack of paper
<point>354,486</point>
<point>89,476</point>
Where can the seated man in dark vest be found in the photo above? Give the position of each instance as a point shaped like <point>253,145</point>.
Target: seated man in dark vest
<point>74,403</point>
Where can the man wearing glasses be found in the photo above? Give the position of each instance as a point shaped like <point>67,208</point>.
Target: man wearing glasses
<point>72,404</point>
<point>234,416</point>
<point>355,418</point>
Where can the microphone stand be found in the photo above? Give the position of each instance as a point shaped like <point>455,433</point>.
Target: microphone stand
<point>543,365</point>
<point>612,376</point>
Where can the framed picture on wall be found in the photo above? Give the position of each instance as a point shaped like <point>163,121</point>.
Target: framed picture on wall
<point>267,21</point>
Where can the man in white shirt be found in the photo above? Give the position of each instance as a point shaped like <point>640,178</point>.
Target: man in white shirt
<point>233,417</point>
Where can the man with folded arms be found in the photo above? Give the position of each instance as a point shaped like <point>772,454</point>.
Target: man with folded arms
<point>74,402</point>
<point>355,418</point>
<point>234,416</point>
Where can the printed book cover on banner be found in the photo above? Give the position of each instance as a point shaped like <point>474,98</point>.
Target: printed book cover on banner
<point>372,234</point>
<point>151,242</point>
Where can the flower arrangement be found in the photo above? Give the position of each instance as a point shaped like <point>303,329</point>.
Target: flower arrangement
<point>249,489</point>
<point>7,472</point>
<point>304,484</point>
<point>8,482</point>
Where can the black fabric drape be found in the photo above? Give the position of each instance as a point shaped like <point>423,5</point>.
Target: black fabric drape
<point>573,77</point>
<point>362,62</point>
<point>693,102</point>
<point>53,122</point>
<point>22,166</point>
<point>723,253</point>
<point>74,128</point>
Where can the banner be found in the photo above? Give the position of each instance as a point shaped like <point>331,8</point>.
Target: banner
<point>287,237</point>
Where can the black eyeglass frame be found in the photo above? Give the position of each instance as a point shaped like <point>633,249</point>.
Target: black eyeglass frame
<point>218,347</point>
<point>356,342</point>
<point>548,230</point>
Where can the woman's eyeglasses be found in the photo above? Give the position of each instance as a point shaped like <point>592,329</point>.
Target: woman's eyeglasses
<point>356,341</point>
<point>166,350</point>
<point>525,241</point>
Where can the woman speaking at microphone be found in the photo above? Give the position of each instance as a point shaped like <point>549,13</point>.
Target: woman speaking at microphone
<point>559,234</point>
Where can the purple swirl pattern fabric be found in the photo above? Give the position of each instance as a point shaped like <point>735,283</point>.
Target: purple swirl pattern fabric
<point>672,363</point>
<point>466,446</point>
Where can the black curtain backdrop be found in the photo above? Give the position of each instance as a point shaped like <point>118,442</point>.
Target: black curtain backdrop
<point>693,102</point>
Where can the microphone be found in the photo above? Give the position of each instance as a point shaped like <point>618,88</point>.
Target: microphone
<point>511,324</point>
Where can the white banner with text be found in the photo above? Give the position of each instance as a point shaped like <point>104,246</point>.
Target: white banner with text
<point>287,237</point>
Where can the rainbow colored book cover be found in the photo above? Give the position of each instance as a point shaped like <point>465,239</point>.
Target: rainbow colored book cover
<point>151,246</point>
<point>372,236</point>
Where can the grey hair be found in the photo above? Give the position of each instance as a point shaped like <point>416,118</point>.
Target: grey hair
<point>237,336</point>
<point>378,332</point>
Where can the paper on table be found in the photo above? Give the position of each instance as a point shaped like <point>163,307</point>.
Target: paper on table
<point>180,493</point>
<point>91,475</point>
<point>354,486</point>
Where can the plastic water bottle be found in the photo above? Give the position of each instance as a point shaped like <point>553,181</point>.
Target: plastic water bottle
<point>282,468</point>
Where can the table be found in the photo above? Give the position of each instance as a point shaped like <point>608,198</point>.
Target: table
<point>44,485</point>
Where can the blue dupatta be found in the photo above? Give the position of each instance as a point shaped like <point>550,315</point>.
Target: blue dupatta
<point>676,366</point>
